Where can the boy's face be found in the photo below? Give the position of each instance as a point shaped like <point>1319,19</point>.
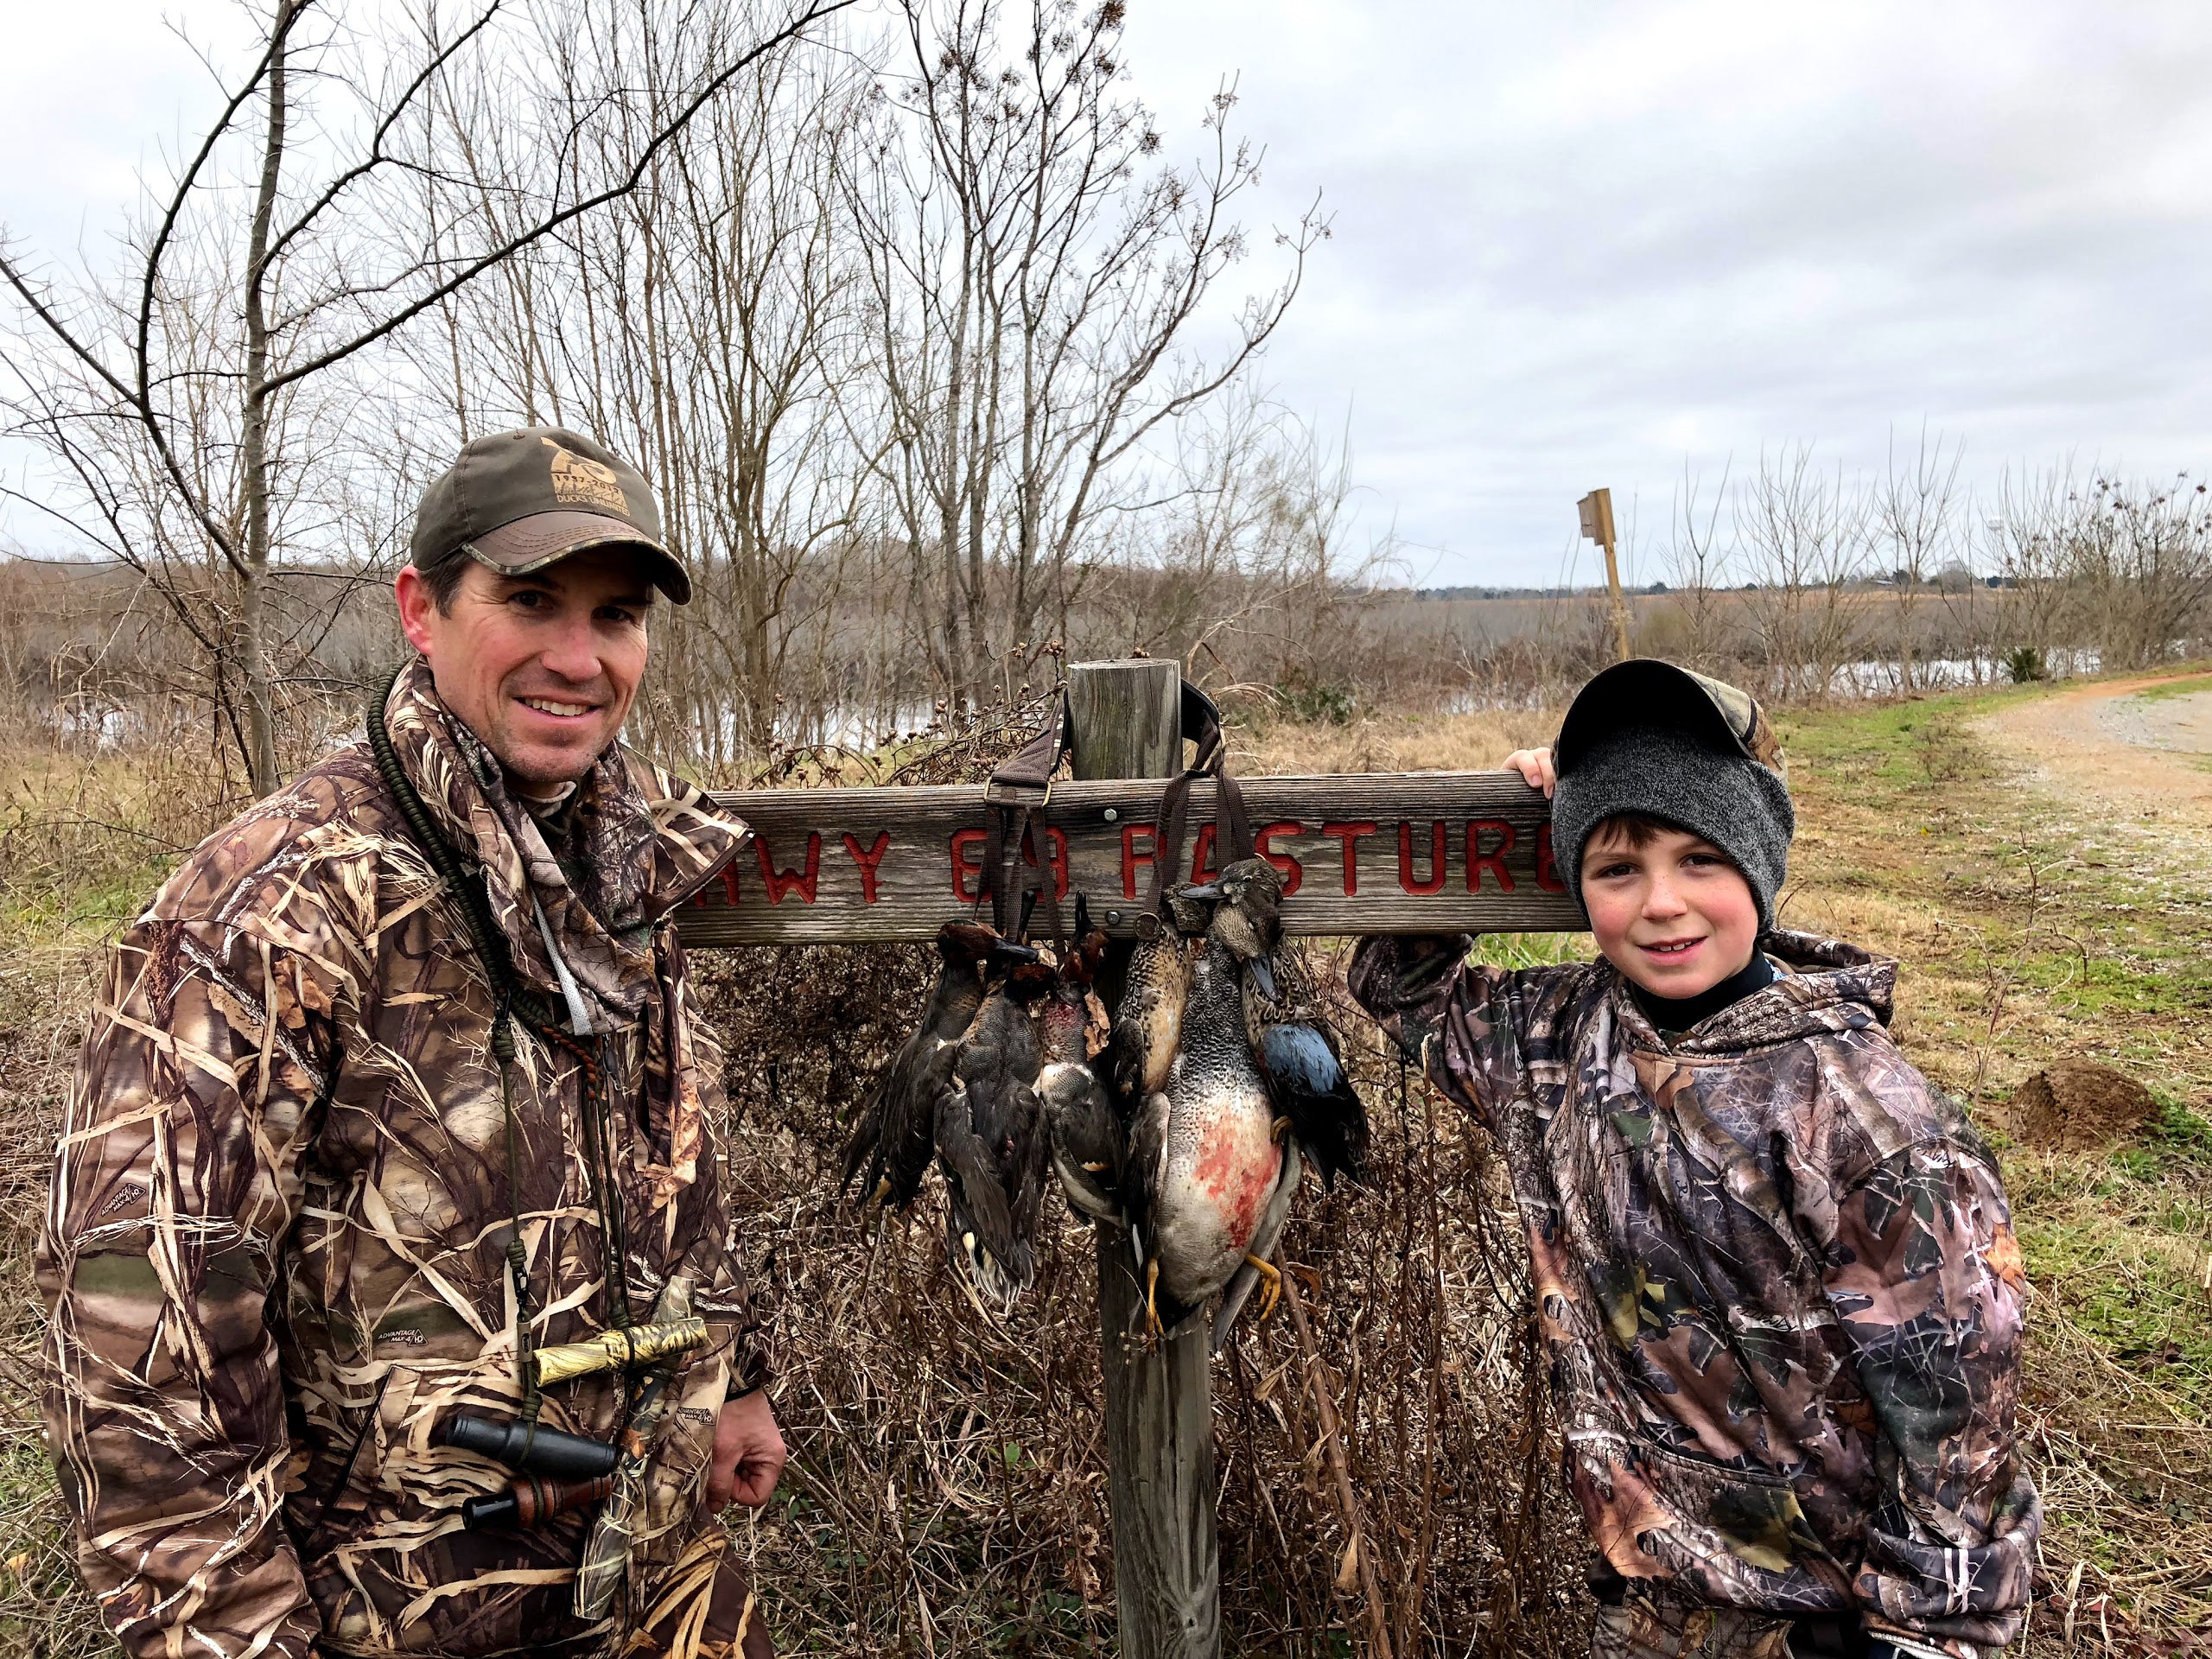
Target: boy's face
<point>1673,914</point>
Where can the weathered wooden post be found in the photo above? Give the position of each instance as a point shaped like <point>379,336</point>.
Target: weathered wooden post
<point>1124,720</point>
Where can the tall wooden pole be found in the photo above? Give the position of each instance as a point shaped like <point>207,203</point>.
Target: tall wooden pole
<point>1124,720</point>
<point>1597,509</point>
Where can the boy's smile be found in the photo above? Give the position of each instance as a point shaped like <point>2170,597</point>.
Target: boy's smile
<point>1673,914</point>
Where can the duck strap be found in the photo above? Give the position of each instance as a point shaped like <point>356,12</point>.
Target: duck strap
<point>1019,787</point>
<point>1201,723</point>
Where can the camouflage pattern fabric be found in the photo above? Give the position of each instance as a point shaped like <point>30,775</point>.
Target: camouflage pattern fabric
<point>274,1258</point>
<point>1637,1629</point>
<point>1776,1276</point>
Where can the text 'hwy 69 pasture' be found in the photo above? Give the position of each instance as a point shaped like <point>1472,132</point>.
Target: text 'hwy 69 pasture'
<point>1421,852</point>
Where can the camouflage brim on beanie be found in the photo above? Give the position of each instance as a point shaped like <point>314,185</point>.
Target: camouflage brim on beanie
<point>1650,740</point>
<point>520,501</point>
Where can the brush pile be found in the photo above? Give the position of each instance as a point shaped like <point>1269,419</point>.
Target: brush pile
<point>947,1493</point>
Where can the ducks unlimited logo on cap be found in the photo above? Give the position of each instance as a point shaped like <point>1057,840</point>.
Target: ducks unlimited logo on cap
<point>580,481</point>
<point>520,501</point>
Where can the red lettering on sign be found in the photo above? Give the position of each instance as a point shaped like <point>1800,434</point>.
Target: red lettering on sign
<point>1202,856</point>
<point>1131,858</point>
<point>1293,872</point>
<point>1350,834</point>
<point>729,887</point>
<point>780,882</point>
<point>868,861</point>
<point>1547,866</point>
<point>1434,881</point>
<point>965,841</point>
<point>1056,841</point>
<point>1493,860</point>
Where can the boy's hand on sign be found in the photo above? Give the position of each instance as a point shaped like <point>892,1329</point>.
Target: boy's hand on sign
<point>1536,766</point>
<point>749,1453</point>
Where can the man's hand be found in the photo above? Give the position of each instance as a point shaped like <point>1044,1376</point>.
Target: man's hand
<point>748,1453</point>
<point>1535,767</point>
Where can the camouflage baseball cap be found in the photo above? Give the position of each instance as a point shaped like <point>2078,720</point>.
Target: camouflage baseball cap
<point>520,501</point>
<point>1646,693</point>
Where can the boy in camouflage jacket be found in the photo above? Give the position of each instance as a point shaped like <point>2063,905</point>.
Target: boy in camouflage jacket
<point>276,1256</point>
<point>1774,1266</point>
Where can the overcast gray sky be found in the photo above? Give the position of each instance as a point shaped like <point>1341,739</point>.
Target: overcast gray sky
<point>1590,244</point>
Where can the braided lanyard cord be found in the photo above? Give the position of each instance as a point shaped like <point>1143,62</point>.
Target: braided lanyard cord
<point>515,1001</point>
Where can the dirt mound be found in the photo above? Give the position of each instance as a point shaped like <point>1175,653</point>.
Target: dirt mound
<point>2077,1106</point>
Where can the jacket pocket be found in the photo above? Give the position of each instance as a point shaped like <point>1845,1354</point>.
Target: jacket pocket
<point>1752,1513</point>
<point>676,1480</point>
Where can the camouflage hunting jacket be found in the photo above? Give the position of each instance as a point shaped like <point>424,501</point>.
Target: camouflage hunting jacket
<point>1777,1277</point>
<point>274,1256</point>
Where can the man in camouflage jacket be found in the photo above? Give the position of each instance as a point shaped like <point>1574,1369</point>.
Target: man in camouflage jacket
<point>276,1252</point>
<point>1773,1266</point>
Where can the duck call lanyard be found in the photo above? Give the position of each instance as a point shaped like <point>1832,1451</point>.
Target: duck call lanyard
<point>1233,839</point>
<point>514,1001</point>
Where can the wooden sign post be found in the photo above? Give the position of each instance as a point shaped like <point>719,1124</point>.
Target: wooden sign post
<point>1435,852</point>
<point>1597,509</point>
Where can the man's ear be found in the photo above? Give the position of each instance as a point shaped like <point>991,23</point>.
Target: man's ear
<point>416,607</point>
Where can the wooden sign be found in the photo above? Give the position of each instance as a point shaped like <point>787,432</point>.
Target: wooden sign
<point>1423,852</point>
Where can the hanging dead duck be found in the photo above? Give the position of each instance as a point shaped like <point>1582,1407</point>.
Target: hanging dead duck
<point>991,1138</point>
<point>1086,1132</point>
<point>1208,1179</point>
<point>1320,1115</point>
<point>897,1133</point>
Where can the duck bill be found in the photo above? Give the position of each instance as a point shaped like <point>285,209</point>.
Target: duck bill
<point>1263,975</point>
<point>1204,894</point>
<point>1009,954</point>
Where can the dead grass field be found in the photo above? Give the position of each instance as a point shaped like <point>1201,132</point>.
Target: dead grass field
<point>947,1495</point>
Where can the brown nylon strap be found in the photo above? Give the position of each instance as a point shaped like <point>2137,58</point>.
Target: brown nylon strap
<point>1019,786</point>
<point>1232,823</point>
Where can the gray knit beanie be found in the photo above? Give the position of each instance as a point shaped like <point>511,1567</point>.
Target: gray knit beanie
<point>1649,739</point>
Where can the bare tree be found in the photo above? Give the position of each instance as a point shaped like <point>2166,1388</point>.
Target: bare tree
<point>700,329</point>
<point>1035,273</point>
<point>1701,564</point>
<point>1917,510</point>
<point>2139,559</point>
<point>195,407</point>
<point>1805,539</point>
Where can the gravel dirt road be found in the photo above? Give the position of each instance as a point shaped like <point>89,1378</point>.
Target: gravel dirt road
<point>2144,757</point>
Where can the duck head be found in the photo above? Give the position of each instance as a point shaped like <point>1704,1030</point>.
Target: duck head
<point>1247,899</point>
<point>971,944</point>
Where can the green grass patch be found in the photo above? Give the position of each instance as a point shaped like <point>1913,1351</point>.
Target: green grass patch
<point>2183,688</point>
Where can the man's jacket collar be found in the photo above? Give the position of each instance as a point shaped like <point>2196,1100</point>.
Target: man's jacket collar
<point>645,844</point>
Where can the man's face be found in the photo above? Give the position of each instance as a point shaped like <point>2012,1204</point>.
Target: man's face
<point>542,668</point>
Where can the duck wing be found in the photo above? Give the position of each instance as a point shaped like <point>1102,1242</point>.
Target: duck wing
<point>1148,1022</point>
<point>891,1143</point>
<point>980,1232</point>
<point>992,1141</point>
<point>1144,1169</point>
<point>890,1148</point>
<point>1307,1084</point>
<point>1086,1137</point>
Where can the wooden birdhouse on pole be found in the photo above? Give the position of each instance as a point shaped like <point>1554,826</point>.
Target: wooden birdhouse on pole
<point>1597,526</point>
